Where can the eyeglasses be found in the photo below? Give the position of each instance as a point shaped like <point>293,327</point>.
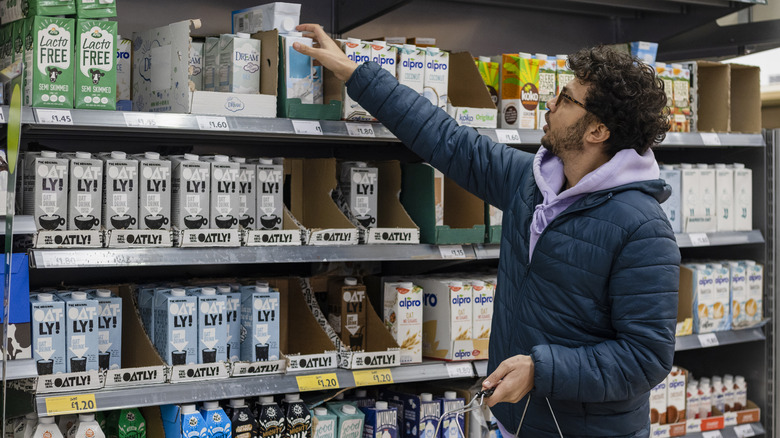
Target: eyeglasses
<point>564,95</point>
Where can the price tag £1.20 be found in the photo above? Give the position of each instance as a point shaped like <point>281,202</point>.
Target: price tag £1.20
<point>373,377</point>
<point>317,382</point>
<point>70,404</point>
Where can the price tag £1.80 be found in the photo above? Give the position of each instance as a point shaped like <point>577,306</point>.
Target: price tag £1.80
<point>360,130</point>
<point>460,369</point>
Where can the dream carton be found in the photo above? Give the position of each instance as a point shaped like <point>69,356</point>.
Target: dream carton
<point>239,64</point>
<point>403,316</point>
<point>196,65</point>
<point>109,329</point>
<point>176,326</point>
<point>210,64</point>
<point>45,187</point>
<point>48,333</point>
<point>212,325</point>
<point>53,69</point>
<point>96,76</point>
<point>120,191</point>
<point>154,191</point>
<point>224,192</point>
<point>81,315</point>
<point>85,197</point>
<point>436,76</point>
<point>260,321</point>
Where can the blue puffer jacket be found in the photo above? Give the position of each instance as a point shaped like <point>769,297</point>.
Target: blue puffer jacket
<point>597,306</point>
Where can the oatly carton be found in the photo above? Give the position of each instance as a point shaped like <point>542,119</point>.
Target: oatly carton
<point>120,193</point>
<point>724,197</point>
<point>403,316</point>
<point>176,326</point>
<point>260,319</point>
<point>672,206</point>
<point>411,67</point>
<point>210,64</point>
<point>82,338</point>
<point>359,185</point>
<point>224,191</point>
<point>347,303</point>
<point>359,52</point>
<point>381,421</point>
<point>384,55</point>
<point>270,195</point>
<point>247,193</point>
<point>96,75</point>
<point>85,198</point>
<point>212,325</point>
<point>191,182</point>
<point>145,303</point>
<point>45,186</point>
<point>239,59</point>
<point>436,76</point>
<point>482,308</point>
<point>743,197</point>
<point>196,65</point>
<point>154,191</point>
<point>233,317</point>
<point>52,80</point>
<point>109,329</point>
<point>48,333</point>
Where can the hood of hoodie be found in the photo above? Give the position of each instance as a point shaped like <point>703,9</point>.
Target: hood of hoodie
<point>624,169</point>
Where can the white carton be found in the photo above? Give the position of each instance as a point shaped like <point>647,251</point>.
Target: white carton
<point>124,74</point>
<point>260,321</point>
<point>385,56</point>
<point>754,307</point>
<point>210,64</point>
<point>482,308</point>
<point>297,68</point>
<point>724,199</point>
<point>403,316</point>
<point>707,183</point>
<point>672,206</point>
<point>411,67</point>
<point>212,325</point>
<point>722,279</point>
<point>239,64</point>
<point>743,197</point>
<point>658,403</point>
<point>270,194</point>
<point>85,197</point>
<point>675,396</point>
<point>739,295</point>
<point>120,191</point>
<point>109,329</point>
<point>154,191</point>
<point>438,196</point>
<point>191,182</point>
<point>436,77</point>
<point>48,333</point>
<point>359,52</point>
<point>360,184</point>
<point>224,192</point>
<point>176,326</point>
<point>447,315</point>
<point>708,312</point>
<point>196,64</point>
<point>247,193</point>
<point>278,15</point>
<point>81,345</point>
<point>45,187</point>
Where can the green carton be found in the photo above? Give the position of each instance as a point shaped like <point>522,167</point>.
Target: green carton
<point>50,7</point>
<point>294,109</point>
<point>52,62</point>
<point>96,74</point>
<point>96,8</point>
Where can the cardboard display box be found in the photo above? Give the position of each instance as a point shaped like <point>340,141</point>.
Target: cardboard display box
<point>293,108</point>
<point>291,234</point>
<point>715,422</point>
<point>464,213</point>
<point>725,97</point>
<point>685,304</point>
<point>469,103</point>
<point>19,341</point>
<point>493,231</point>
<point>751,414</point>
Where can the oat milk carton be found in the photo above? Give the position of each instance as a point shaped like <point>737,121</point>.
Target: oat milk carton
<point>436,76</point>
<point>260,319</point>
<point>724,197</point>
<point>722,279</point>
<point>191,182</point>
<point>124,77</point>
<point>691,200</point>
<point>482,308</point>
<point>239,64</point>
<point>154,191</point>
<point>359,184</point>
<point>212,325</point>
<point>233,317</point>
<point>85,198</point>
<point>82,337</point>
<point>45,182</point>
<point>176,326</point>
<point>347,303</point>
<point>411,67</point>
<point>403,316</point>
<point>675,396</point>
<point>743,197</point>
<point>461,310</point>
<point>381,421</point>
<point>53,69</point>
<point>247,193</point>
<point>145,303</point>
<point>547,85</point>
<point>224,192</point>
<point>739,295</point>
<point>120,191</point>
<point>707,182</point>
<point>563,74</point>
<point>109,329</point>
<point>297,68</point>
<point>754,307</point>
<point>211,64</point>
<point>96,75</point>
<point>384,55</point>
<point>359,52</point>
<point>707,311</point>
<point>48,333</point>
<point>519,91</point>
<point>270,194</point>
<point>350,420</point>
<point>672,206</point>
<point>196,65</point>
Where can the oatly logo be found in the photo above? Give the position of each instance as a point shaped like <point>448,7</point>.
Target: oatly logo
<point>72,381</point>
<point>396,236</point>
<point>213,312</point>
<point>139,376</point>
<point>215,237</point>
<point>155,178</point>
<point>51,177</point>
<point>182,313</point>
<point>48,320</point>
<point>108,315</point>
<point>380,359</point>
<point>144,239</point>
<point>316,362</point>
<point>73,239</point>
<point>266,309</point>
<point>203,372</point>
<point>83,319</point>
<point>337,237</point>
<point>277,238</point>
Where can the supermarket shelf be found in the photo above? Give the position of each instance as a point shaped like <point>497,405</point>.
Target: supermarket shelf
<point>480,367</point>
<point>733,431</point>
<point>22,224</point>
<point>487,251</point>
<point>20,369</point>
<point>724,238</point>
<point>693,342</point>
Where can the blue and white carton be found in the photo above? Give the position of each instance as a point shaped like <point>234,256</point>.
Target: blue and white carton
<point>192,423</point>
<point>216,421</point>
<point>145,304</point>
<point>81,343</point>
<point>430,413</point>
<point>48,333</point>
<point>212,325</point>
<point>350,420</point>
<point>109,329</point>
<point>176,326</point>
<point>754,307</point>
<point>233,313</point>
<point>260,320</point>
<point>411,67</point>
<point>380,422</point>
<point>420,413</point>
<point>297,68</point>
<point>452,425</point>
<point>708,311</point>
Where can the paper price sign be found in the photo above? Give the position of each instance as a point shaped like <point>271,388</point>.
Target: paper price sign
<point>708,340</point>
<point>711,434</point>
<point>699,239</point>
<point>317,381</point>
<point>2,116</point>
<point>54,117</point>
<point>140,120</point>
<point>452,252</point>
<point>456,370</point>
<point>373,377</point>
<point>307,127</point>
<point>70,404</point>
<point>206,123</point>
<point>360,130</point>
<point>508,136</point>
<point>744,431</point>
<point>710,139</point>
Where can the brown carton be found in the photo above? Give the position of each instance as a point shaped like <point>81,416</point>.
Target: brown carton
<point>347,303</point>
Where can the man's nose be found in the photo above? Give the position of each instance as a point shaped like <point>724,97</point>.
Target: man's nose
<point>552,103</point>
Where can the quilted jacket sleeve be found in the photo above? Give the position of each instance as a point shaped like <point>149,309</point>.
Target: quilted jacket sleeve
<point>487,169</point>
<point>643,294</point>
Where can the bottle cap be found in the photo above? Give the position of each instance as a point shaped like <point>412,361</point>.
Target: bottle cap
<point>484,59</point>
<point>209,405</point>
<point>191,157</point>
<point>450,395</point>
<point>354,40</point>
<point>224,289</point>
<point>46,420</point>
<point>320,411</point>
<point>48,154</point>
<point>350,281</point>
<point>289,398</point>
<point>221,158</point>
<point>348,409</point>
<point>266,399</point>
<point>381,405</point>
<point>188,409</point>
<point>45,297</point>
<point>236,403</point>
<point>178,292</point>
<point>78,296</point>
<point>208,291</point>
<point>426,396</point>
<point>86,417</point>
<point>243,35</point>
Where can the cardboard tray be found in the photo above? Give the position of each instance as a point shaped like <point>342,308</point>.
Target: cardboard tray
<point>725,97</point>
<point>715,422</point>
<point>293,108</point>
<point>469,103</point>
<point>291,234</point>
<point>751,414</point>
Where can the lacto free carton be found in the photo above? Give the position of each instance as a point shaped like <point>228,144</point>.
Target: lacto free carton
<point>96,73</point>
<point>239,64</point>
<point>45,181</point>
<point>176,326</point>
<point>436,76</point>
<point>120,193</point>
<point>191,182</point>
<point>85,198</point>
<point>270,194</point>
<point>672,206</point>
<point>260,319</point>
<point>403,316</point>
<point>411,67</point>
<point>109,329</point>
<point>48,333</point>
<point>196,65</point>
<point>154,191</point>
<point>247,193</point>
<point>212,325</point>
<point>81,316</point>
<point>53,65</point>
<point>224,192</point>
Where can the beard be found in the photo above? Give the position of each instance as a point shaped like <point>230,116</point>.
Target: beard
<point>566,142</point>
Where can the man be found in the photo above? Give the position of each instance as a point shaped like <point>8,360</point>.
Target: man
<point>584,317</point>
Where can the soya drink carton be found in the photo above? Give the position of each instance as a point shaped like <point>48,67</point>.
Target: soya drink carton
<point>176,326</point>
<point>81,314</point>
<point>192,423</point>
<point>326,423</point>
<point>48,333</point>
<point>96,56</point>
<point>436,76</point>
<point>120,191</point>
<point>350,420</point>
<point>403,316</point>
<point>224,191</point>
<point>217,423</point>
<point>196,65</point>
<point>191,182</point>
<point>270,419</point>
<point>519,91</point>
<point>452,425</point>
<point>46,428</point>
<point>270,194</point>
<point>297,78</point>
<point>347,303</point>
<point>85,197</point>
<point>297,417</point>
<point>210,64</point>
<point>260,321</point>
<point>239,60</point>
<point>411,67</point>
<point>247,193</point>
<point>212,325</point>
<point>154,191</point>
<point>45,186</point>
<point>242,421</point>
<point>359,52</point>
<point>547,85</point>
<point>109,329</point>
<point>233,316</point>
<point>381,421</point>
<point>52,62</point>
<point>131,424</point>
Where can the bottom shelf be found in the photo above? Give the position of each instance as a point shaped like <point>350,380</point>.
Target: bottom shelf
<point>740,431</point>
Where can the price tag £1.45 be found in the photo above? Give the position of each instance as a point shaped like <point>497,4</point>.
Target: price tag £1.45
<point>54,117</point>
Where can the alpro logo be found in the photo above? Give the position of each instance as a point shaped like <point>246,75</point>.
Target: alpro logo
<point>410,302</point>
<point>529,96</point>
<point>705,281</point>
<point>677,384</point>
<point>461,300</point>
<point>430,300</point>
<point>462,354</point>
<point>412,64</point>
<point>435,66</point>
<point>357,57</point>
<point>382,60</point>
<point>721,280</point>
<point>483,299</point>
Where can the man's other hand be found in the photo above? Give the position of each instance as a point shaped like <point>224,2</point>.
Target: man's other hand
<point>512,380</point>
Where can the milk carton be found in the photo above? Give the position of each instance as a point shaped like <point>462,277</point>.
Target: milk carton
<point>212,326</point>
<point>45,186</point>
<point>436,76</point>
<point>277,15</point>
<point>52,62</point>
<point>196,65</point>
<point>85,197</point>
<point>675,396</point>
<point>380,421</point>
<point>46,428</point>
<point>270,421</point>
<point>519,91</point>
<point>326,423</point>
<point>707,182</point>
<point>563,74</point>
<point>270,194</point>
<point>743,197</point>
<point>724,198</point>
<point>109,329</point>
<point>82,338</point>
<point>239,60</point>
<point>224,192</point>
<point>430,413</point>
<point>233,317</point>
<point>547,85</point>
<point>176,326</point>
<point>96,75</point>
<point>260,319</point>
<point>192,423</point>
<point>722,279</point>
<point>754,307</point>
<point>350,420</point>
<point>131,424</point>
<point>297,68</point>
<point>120,191</point>
<point>359,52</point>
<point>482,308</point>
<point>384,55</point>
<point>210,64</point>
<point>452,424</point>
<point>403,316</point>
<point>692,193</point>
<point>217,422</point>
<point>124,77</point>
<point>739,295</point>
<point>411,67</point>
<point>96,9</point>
<point>359,184</point>
<point>672,206</point>
<point>191,182</point>
<point>48,333</point>
<point>658,403</point>
<point>154,191</point>
<point>247,193</point>
<point>708,313</point>
<point>347,303</point>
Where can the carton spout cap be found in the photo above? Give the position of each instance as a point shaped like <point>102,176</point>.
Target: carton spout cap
<point>541,56</point>
<point>224,289</point>
<point>290,398</point>
<point>48,154</point>
<point>738,165</point>
<point>379,43</point>
<point>152,155</point>
<point>266,161</point>
<point>484,59</point>
<point>221,158</point>
<point>78,296</point>
<point>288,25</point>
<point>319,411</point>
<point>188,409</point>
<point>350,281</point>
<point>450,395</point>
<point>739,380</point>
<point>243,35</point>
<point>237,403</point>
<point>208,291</point>
<point>239,160</point>
<point>86,418</point>
<point>360,393</point>
<point>426,397</point>
<point>45,297</point>
<point>410,46</point>
<point>354,40</point>
<point>83,155</point>
<point>349,409</point>
<point>103,293</point>
<point>119,155</point>
<point>209,405</point>
<point>266,399</point>
<point>178,292</point>
<point>191,157</point>
<point>381,405</point>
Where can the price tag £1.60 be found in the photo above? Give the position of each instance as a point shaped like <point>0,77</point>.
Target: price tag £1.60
<point>508,136</point>
<point>70,404</point>
<point>209,123</point>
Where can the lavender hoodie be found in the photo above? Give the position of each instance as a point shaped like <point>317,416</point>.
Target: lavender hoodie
<point>626,167</point>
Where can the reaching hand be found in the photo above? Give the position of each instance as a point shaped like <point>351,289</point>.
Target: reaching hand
<point>328,53</point>
<point>512,380</point>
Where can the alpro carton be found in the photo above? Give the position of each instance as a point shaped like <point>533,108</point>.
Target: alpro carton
<point>270,194</point>
<point>298,81</point>
<point>154,191</point>
<point>359,184</point>
<point>96,8</point>
<point>247,193</point>
<point>482,308</point>
<point>739,295</point>
<point>350,420</point>
<point>658,403</point>
<point>707,311</point>
<point>224,191</point>
<point>743,197</point>
<point>381,421</point>
<point>260,320</point>
<point>675,395</point>
<point>411,67</point>
<point>359,52</point>
<point>109,329</point>
<point>233,319</point>
<point>403,316</point>
<point>48,333</point>
<point>384,55</point>
<point>563,74</point>
<point>81,316</point>
<point>447,315</point>
<point>45,186</point>
<point>124,78</point>
<point>176,326</point>
<point>672,206</point>
<point>436,76</point>
<point>85,197</point>
<point>347,303</point>
<point>212,325</point>
<point>191,181</point>
<point>53,65</point>
<point>519,91</point>
<point>210,64</point>
<point>239,64</point>
<point>120,191</point>
<point>547,85</point>
<point>96,55</point>
<point>196,65</point>
<point>724,197</point>
<point>754,307</point>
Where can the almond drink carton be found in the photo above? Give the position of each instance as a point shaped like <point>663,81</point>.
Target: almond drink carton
<point>675,396</point>
<point>739,294</point>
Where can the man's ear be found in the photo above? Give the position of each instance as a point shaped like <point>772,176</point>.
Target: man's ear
<point>597,133</point>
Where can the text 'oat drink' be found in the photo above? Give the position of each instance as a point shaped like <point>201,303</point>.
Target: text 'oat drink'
<point>81,315</point>
<point>224,192</point>
<point>270,418</point>
<point>739,295</point>
<point>196,65</point>
<point>211,64</point>
<point>233,316</point>
<point>191,181</point>
<point>482,308</point>
<point>260,320</point>
<point>96,54</point>
<point>411,67</point>
<point>212,326</point>
<point>154,191</point>
<point>176,326</point>
<point>403,316</point>
<point>109,329</point>
<point>270,194</point>
<point>53,67</point>
<point>48,333</point>
<point>436,76</point>
<point>247,193</point>
<point>360,186</point>
<point>120,191</point>
<point>239,64</point>
<point>45,186</point>
<point>326,423</point>
<point>381,421</point>
<point>347,303</point>
<point>85,197</point>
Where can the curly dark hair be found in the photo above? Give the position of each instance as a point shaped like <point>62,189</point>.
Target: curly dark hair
<point>626,95</point>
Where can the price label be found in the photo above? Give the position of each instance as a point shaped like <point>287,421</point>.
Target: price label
<point>373,377</point>
<point>699,239</point>
<point>508,136</point>
<point>142,120</point>
<point>457,370</point>
<point>710,139</point>
<point>452,252</point>
<point>711,434</point>
<point>208,123</point>
<point>307,127</point>
<point>70,404</point>
<point>744,431</point>
<point>360,130</point>
<point>54,117</point>
<point>317,381</point>
<point>2,116</point>
<point>708,340</point>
